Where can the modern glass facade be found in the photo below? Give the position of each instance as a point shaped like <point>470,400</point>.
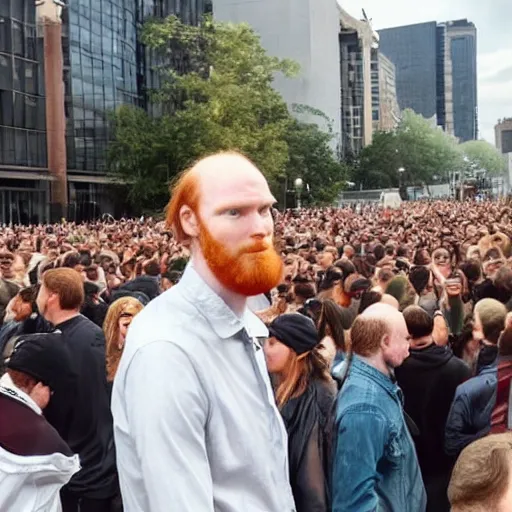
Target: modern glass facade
<point>104,66</point>
<point>413,50</point>
<point>440,78</point>
<point>101,73</point>
<point>22,109</point>
<point>352,93</point>
<point>463,56</point>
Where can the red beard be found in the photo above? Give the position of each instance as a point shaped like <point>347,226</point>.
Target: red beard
<point>251,270</point>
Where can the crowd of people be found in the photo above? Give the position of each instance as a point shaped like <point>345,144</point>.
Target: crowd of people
<point>231,357</point>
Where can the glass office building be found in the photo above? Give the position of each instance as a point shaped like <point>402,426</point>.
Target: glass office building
<point>461,36</point>
<point>22,114</point>
<point>100,62</point>
<point>104,66</point>
<point>413,51</point>
<point>436,72</point>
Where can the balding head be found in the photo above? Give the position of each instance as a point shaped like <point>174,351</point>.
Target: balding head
<point>222,207</point>
<point>389,300</point>
<point>211,183</point>
<point>381,331</point>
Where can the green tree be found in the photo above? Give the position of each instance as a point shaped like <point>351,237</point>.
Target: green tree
<point>420,148</point>
<point>425,150</point>
<point>215,94</point>
<point>481,155</point>
<point>313,160</point>
<point>137,156</point>
<point>378,163</point>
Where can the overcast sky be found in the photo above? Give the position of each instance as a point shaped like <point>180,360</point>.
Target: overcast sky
<point>493,20</point>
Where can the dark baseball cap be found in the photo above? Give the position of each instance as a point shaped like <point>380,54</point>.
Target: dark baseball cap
<point>45,357</point>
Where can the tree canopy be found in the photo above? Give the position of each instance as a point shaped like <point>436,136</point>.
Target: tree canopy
<point>483,156</point>
<point>422,150</point>
<point>215,93</point>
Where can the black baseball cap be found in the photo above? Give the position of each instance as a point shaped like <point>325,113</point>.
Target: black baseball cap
<point>45,357</point>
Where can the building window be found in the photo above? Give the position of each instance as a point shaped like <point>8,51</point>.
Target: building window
<point>5,34</point>
<point>17,39</point>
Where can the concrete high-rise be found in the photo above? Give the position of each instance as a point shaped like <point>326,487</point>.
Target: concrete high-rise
<point>303,30</point>
<point>388,113</point>
<point>358,47</point>
<point>503,133</point>
<point>436,72</point>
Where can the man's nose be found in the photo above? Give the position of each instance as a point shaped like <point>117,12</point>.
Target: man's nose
<point>261,226</point>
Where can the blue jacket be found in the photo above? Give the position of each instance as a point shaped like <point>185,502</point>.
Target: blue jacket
<point>470,414</point>
<point>375,463</point>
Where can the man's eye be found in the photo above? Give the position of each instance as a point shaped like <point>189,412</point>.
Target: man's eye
<point>233,212</point>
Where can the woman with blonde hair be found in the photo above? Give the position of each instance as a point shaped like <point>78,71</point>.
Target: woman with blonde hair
<point>305,395</point>
<point>119,317</point>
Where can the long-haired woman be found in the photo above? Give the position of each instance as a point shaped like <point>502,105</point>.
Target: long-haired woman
<point>119,317</point>
<point>305,394</point>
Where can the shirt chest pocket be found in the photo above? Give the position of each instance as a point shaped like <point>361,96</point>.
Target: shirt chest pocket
<point>395,450</point>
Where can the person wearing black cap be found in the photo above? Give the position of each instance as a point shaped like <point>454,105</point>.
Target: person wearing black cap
<point>305,395</point>
<point>34,460</point>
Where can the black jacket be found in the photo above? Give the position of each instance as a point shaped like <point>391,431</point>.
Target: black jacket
<point>82,415</point>
<point>309,421</point>
<point>488,290</point>
<point>428,379</point>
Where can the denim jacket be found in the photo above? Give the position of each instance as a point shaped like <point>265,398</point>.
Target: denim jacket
<point>375,463</point>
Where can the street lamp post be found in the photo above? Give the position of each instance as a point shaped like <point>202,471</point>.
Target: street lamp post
<point>401,171</point>
<point>463,170</point>
<point>298,189</point>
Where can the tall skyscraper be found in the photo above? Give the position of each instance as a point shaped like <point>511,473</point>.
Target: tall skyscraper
<point>436,72</point>
<point>358,49</point>
<point>413,51</point>
<point>461,79</point>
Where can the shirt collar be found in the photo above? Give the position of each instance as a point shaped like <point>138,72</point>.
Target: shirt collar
<point>8,387</point>
<point>384,381</point>
<point>220,316</point>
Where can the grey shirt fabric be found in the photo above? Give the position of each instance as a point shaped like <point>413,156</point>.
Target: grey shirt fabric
<point>195,421</point>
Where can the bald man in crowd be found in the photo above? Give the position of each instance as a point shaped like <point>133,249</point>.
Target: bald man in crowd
<point>196,426</point>
<point>375,463</point>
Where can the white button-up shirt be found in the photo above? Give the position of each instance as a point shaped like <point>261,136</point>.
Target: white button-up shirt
<point>195,421</point>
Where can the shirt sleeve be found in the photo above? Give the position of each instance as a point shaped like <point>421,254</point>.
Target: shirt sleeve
<point>362,437</point>
<point>167,411</point>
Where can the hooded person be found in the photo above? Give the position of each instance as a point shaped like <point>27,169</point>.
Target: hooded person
<point>305,394</point>
<point>192,397</point>
<point>428,379</point>
<point>35,463</point>
<point>402,290</point>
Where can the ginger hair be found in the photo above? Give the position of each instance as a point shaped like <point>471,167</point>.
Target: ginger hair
<point>125,306</point>
<point>185,192</point>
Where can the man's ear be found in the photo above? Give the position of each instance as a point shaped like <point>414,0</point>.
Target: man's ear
<point>189,221</point>
<point>384,341</point>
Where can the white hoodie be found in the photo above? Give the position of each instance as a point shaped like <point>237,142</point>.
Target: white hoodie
<point>32,483</point>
